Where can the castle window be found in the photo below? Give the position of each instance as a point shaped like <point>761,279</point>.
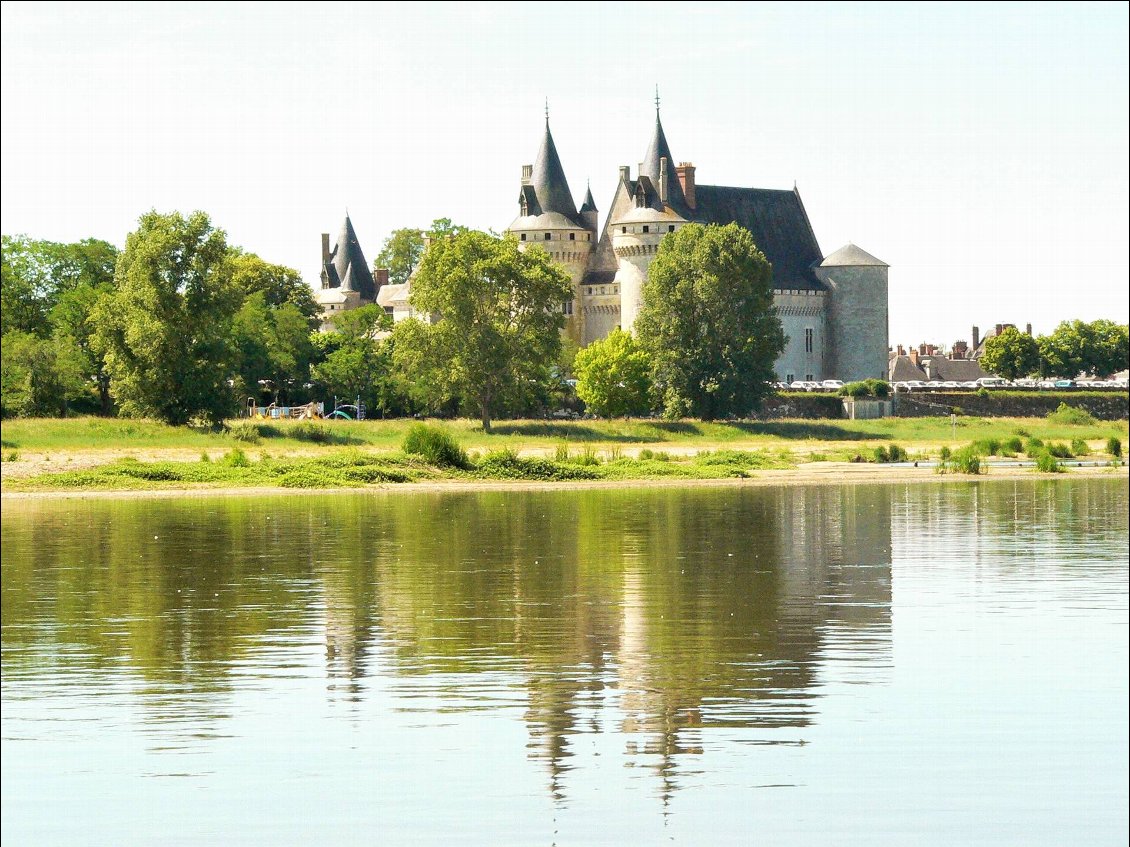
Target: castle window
<point>623,229</point>
<point>602,289</point>
<point>790,378</point>
<point>615,289</point>
<point>567,307</point>
<point>810,377</point>
<point>808,339</point>
<point>670,227</point>
<point>588,236</point>
<point>572,236</point>
<point>523,236</point>
<point>646,228</point>
<point>547,236</point>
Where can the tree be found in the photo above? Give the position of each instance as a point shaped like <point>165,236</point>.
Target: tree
<point>400,254</point>
<point>356,363</point>
<point>166,328</point>
<point>274,347</point>
<point>612,376</point>
<point>1012,354</point>
<point>39,377</point>
<point>708,322</point>
<point>1074,347</point>
<point>500,319</point>
<point>278,284</point>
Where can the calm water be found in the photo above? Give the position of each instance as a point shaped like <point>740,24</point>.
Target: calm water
<point>919,664</point>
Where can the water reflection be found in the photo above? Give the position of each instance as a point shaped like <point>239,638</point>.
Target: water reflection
<point>659,616</point>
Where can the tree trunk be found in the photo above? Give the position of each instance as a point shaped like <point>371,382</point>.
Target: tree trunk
<point>484,408</point>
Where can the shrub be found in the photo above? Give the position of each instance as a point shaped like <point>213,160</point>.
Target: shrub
<point>1046,463</point>
<point>1033,447</point>
<point>236,458</point>
<point>246,431</point>
<point>205,458</point>
<point>654,455</point>
<point>1079,447</point>
<point>506,464</point>
<point>986,447</point>
<point>1071,415</point>
<point>1113,447</point>
<point>983,393</point>
<point>14,455</point>
<point>867,388</point>
<point>946,453</point>
<point>435,445</point>
<point>1060,451</point>
<point>586,458</point>
<point>881,454</point>
<point>966,460</point>
<point>310,431</point>
<point>896,453</point>
<point>561,452</point>
<point>1014,445</point>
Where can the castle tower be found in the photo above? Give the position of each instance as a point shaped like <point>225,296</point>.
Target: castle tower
<point>657,207</point>
<point>346,279</point>
<point>856,314</point>
<point>548,218</point>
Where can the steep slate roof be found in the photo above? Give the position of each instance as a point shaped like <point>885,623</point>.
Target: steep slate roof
<point>589,205</point>
<point>549,182</point>
<point>779,226</point>
<point>902,369</point>
<point>649,167</point>
<point>348,264</point>
<point>851,256</point>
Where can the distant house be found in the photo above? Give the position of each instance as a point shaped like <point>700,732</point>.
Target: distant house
<point>928,363</point>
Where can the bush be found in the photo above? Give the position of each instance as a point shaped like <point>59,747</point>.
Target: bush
<point>946,453</point>
<point>205,458</point>
<point>246,431</point>
<point>986,447</point>
<point>1071,415</point>
<point>1046,463</point>
<point>966,460</point>
<point>561,453</point>
<point>1033,447</point>
<point>236,458</point>
<point>1113,447</point>
<point>655,455</point>
<point>1060,451</point>
<point>1080,447</point>
<point>506,464</point>
<point>14,455</point>
<point>435,445</point>
<point>310,431</point>
<point>867,388</point>
<point>1014,445</point>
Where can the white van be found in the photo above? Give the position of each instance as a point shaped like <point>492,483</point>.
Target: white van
<point>992,382</point>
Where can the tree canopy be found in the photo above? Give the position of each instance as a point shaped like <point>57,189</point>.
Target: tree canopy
<point>708,322</point>
<point>1099,348</point>
<point>166,330</point>
<point>613,376</point>
<point>1011,354</point>
<point>499,319</point>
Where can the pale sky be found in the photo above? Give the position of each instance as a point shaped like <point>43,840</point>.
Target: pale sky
<point>981,150</point>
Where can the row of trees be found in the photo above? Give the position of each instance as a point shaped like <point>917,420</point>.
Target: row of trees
<point>181,326</point>
<point>1098,348</point>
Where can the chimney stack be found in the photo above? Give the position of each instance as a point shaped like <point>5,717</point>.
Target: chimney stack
<point>527,174</point>
<point>1028,329</point>
<point>913,357</point>
<point>325,247</point>
<point>625,173</point>
<point>685,172</point>
<point>960,350</point>
<point>381,277</point>
<point>901,350</point>
<point>976,337</point>
<point>1000,328</point>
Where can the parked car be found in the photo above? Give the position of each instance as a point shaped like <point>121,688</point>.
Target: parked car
<point>832,384</point>
<point>992,382</point>
<point>1065,383</point>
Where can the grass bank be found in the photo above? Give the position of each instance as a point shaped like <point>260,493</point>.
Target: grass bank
<point>111,454</point>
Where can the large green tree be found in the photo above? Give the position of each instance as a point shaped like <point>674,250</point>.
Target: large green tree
<point>1074,347</point>
<point>356,362</point>
<point>613,375</point>
<point>166,330</point>
<point>39,377</point>
<point>277,284</point>
<point>708,322</point>
<point>400,254</point>
<point>1012,354</point>
<point>499,319</point>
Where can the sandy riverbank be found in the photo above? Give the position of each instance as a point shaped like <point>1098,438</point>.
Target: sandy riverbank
<point>817,473</point>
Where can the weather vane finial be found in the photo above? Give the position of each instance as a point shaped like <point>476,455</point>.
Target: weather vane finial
<point>547,111</point>
<point>657,98</point>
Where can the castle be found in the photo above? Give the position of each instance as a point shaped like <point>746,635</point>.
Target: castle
<point>833,309</point>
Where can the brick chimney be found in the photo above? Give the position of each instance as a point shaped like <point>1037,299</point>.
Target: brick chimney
<point>381,277</point>
<point>625,173</point>
<point>1028,329</point>
<point>901,350</point>
<point>960,350</point>
<point>527,174</point>
<point>913,357</point>
<point>921,349</point>
<point>325,247</point>
<point>685,172</point>
<point>1000,328</point>
<point>976,337</point>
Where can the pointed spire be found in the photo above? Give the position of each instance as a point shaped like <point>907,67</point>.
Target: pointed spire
<point>349,260</point>
<point>548,178</point>
<point>649,167</point>
<point>589,204</point>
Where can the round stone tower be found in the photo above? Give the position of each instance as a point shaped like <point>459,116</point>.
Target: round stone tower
<point>856,314</point>
<point>635,241</point>
<point>548,218</point>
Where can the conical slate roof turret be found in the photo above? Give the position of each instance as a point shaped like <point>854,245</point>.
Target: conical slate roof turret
<point>650,167</point>
<point>548,180</point>
<point>349,263</point>
<point>589,205</point>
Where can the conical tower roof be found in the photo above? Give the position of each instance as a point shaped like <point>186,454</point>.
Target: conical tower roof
<point>649,167</point>
<point>850,256</point>
<point>349,257</point>
<point>548,180</point>
<point>589,205</point>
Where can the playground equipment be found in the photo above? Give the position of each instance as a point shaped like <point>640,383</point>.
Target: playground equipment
<point>308,411</point>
